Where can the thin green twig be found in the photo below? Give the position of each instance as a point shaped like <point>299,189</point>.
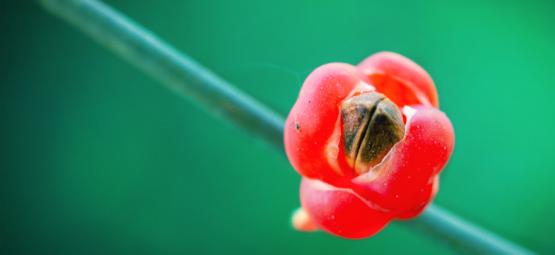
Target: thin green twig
<point>185,76</point>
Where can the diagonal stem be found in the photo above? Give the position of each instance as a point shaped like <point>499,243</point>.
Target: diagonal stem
<point>189,79</point>
<point>177,71</point>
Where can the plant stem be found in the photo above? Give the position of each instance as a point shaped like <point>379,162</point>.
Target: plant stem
<point>189,79</point>
<point>177,71</point>
<point>462,235</point>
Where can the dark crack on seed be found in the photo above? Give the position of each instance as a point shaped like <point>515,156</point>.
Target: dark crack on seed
<point>372,125</point>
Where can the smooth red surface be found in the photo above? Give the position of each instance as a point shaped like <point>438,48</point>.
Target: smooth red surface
<point>314,117</point>
<point>344,213</point>
<point>337,199</point>
<point>402,80</point>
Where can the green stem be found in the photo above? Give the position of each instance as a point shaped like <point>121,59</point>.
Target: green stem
<point>462,235</point>
<point>177,71</point>
<point>185,76</point>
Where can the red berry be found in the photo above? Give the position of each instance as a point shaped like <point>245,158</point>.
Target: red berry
<point>369,142</point>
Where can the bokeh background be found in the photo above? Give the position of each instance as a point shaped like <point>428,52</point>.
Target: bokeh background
<point>98,158</point>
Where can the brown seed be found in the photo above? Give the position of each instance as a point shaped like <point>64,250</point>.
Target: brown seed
<point>372,124</point>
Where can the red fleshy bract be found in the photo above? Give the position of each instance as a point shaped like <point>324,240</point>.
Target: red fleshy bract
<point>336,198</point>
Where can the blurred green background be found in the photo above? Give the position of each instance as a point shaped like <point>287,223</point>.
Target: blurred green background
<point>98,158</point>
